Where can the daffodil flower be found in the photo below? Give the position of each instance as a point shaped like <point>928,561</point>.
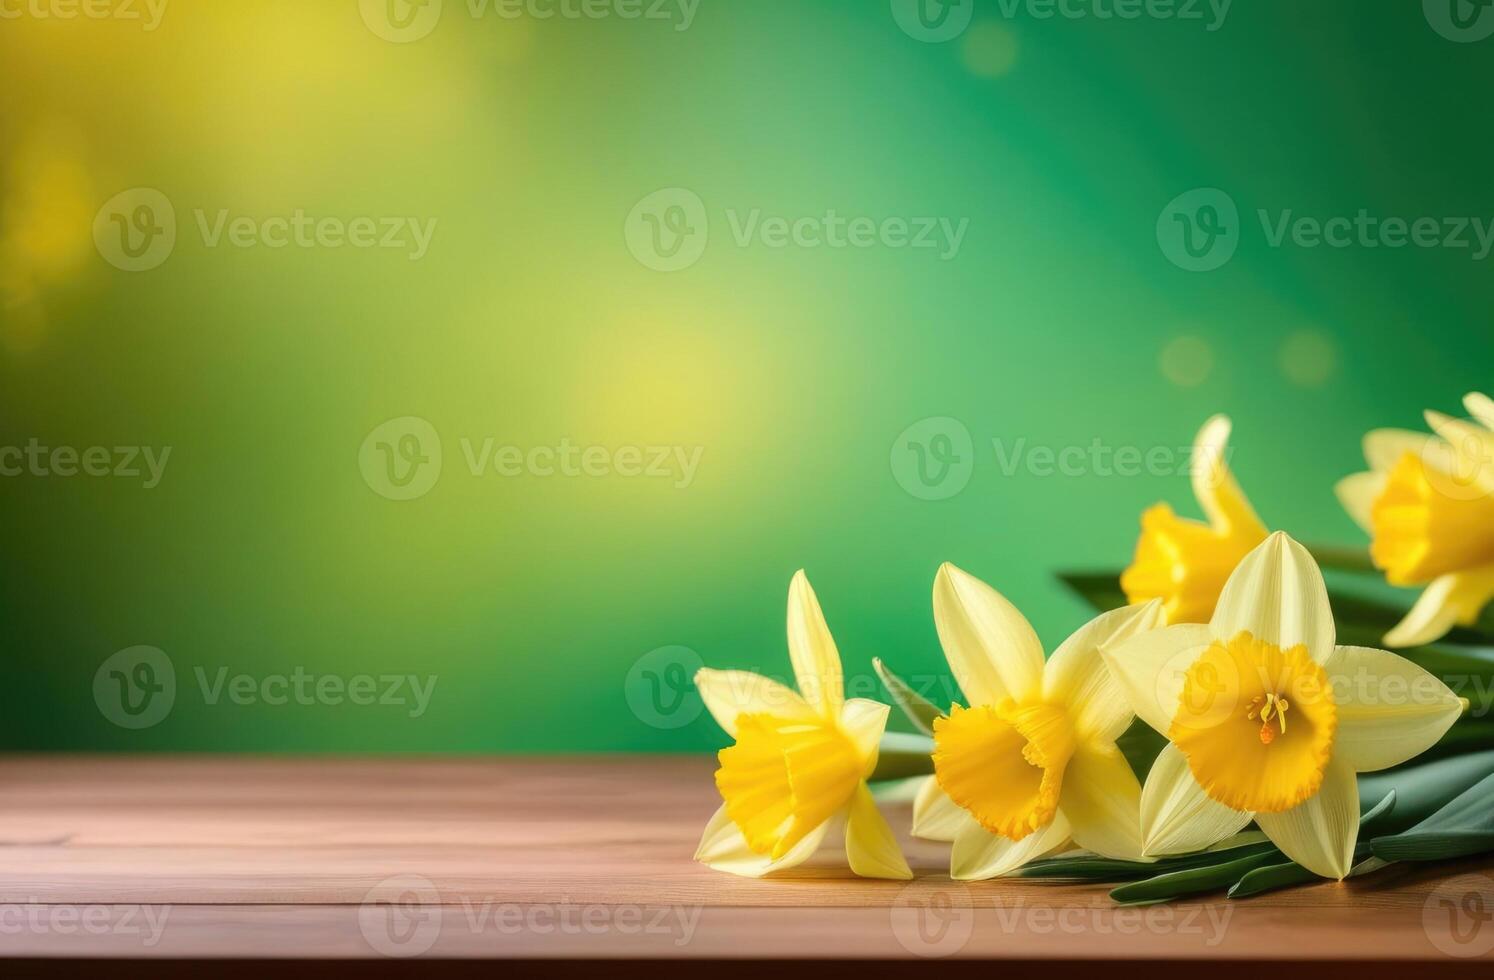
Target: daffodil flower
<point>1032,762</point>
<point>1184,562</point>
<point>1268,720</point>
<point>1428,505</point>
<point>800,762</point>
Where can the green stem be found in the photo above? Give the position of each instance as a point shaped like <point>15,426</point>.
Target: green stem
<point>1343,559</point>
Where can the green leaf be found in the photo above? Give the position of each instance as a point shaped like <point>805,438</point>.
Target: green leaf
<point>919,710</point>
<point>1464,826</point>
<point>1092,867</point>
<point>1141,744</point>
<point>1288,873</point>
<point>902,756</point>
<point>1176,884</point>
<point>1423,789</point>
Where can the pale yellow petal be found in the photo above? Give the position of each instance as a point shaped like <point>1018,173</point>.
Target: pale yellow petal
<point>1383,448</point>
<point>1320,833</point>
<point>1277,594</point>
<point>1358,493</point>
<point>991,648</point>
<point>1448,601</point>
<point>723,848</point>
<point>936,816</point>
<point>1473,448</point>
<point>1218,493</point>
<point>863,721</point>
<point>1149,669</point>
<point>1481,407</point>
<point>1389,709</point>
<point>1102,799</point>
<point>1076,675</point>
<point>978,854</point>
<point>730,693</point>
<point>812,649</point>
<point>871,847</point>
<point>1177,816</point>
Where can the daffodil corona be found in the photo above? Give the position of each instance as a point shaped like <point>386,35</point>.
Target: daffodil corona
<point>800,761</point>
<point>1184,562</point>
<point>1032,763</point>
<point>1428,505</point>
<point>1268,720</point>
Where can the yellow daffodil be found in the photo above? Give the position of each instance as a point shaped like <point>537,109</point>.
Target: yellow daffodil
<point>1184,562</point>
<point>1032,763</point>
<point>1428,505</point>
<point>800,762</point>
<point>1268,720</point>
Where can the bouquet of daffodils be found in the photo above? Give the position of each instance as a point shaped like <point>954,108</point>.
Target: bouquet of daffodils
<point>1206,731</point>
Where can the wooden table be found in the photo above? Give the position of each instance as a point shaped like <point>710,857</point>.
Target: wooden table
<point>541,859</point>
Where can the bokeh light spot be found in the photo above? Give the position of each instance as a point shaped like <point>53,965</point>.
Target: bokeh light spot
<point>1187,361</point>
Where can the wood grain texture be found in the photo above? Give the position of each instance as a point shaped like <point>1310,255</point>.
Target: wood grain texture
<point>570,857</point>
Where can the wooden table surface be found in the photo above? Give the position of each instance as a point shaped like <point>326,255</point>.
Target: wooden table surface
<point>539,858</point>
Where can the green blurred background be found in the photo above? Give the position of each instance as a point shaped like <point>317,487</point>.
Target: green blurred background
<point>559,613</point>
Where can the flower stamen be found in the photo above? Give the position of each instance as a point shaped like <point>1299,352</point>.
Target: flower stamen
<point>1271,704</point>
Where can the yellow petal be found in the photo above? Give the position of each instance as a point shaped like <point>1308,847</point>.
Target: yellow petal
<point>1177,816</point>
<point>1150,667</point>
<point>1389,709</point>
<point>1358,493</point>
<point>1383,448</point>
<point>730,693</point>
<point>1320,833</point>
<point>871,847</point>
<point>724,848</point>
<point>1218,493</point>
<point>1481,407</point>
<point>1076,675</point>
<point>863,721</point>
<point>1277,594</point>
<point>936,816</point>
<point>1450,600</point>
<point>1473,448</point>
<point>1102,799</point>
<point>812,649</point>
<point>978,854</point>
<point>991,648</point>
